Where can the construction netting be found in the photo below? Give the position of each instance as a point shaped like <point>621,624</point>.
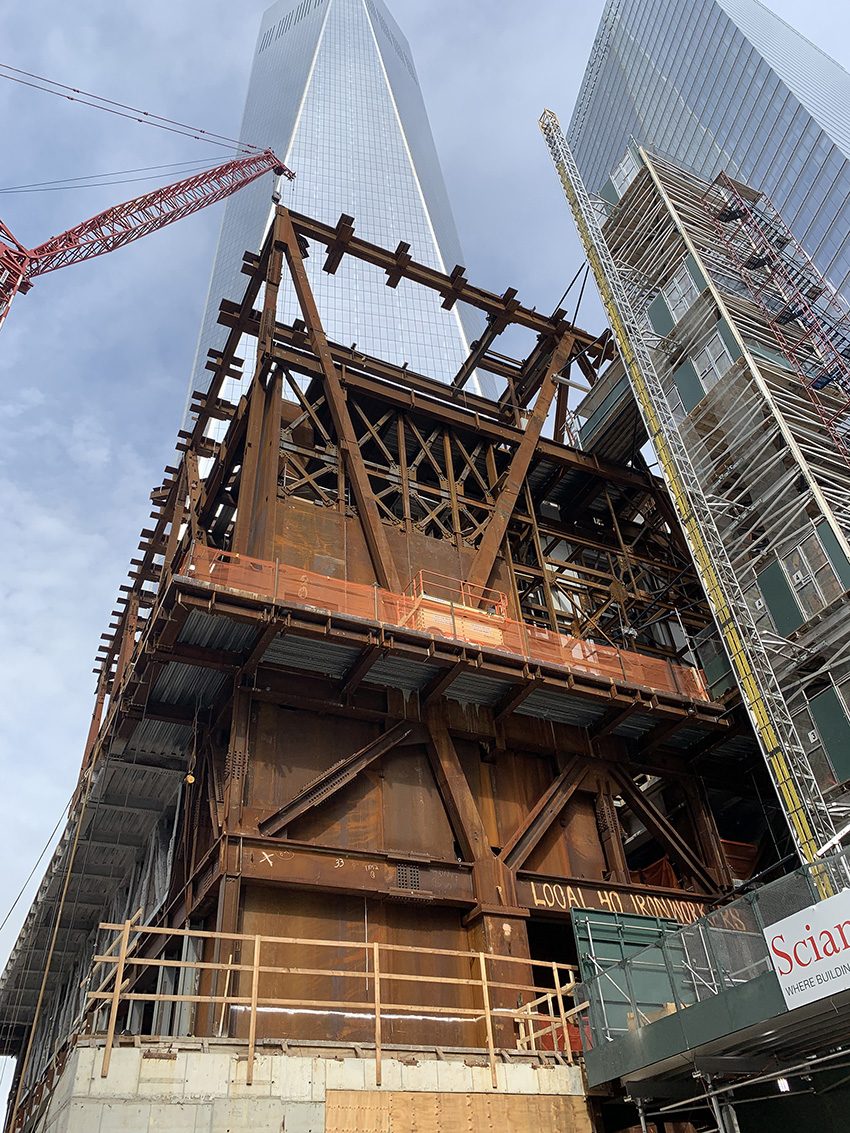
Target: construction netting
<point>441,608</point>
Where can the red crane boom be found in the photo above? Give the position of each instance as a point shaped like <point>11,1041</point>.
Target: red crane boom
<point>119,225</point>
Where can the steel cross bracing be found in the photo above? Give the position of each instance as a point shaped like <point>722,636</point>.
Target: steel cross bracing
<point>787,287</point>
<point>807,815</point>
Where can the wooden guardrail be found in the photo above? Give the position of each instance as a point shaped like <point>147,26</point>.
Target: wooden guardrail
<point>542,1018</point>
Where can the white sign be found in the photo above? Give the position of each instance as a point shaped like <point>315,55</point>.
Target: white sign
<point>810,950</point>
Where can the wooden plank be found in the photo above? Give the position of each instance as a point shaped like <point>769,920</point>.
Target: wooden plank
<point>252,1024</point>
<point>116,996</point>
<point>376,963</point>
<point>488,1019</point>
<point>391,1111</point>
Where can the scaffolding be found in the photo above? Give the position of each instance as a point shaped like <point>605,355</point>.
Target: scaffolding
<point>804,312</point>
<point>647,239</point>
<point>764,423</point>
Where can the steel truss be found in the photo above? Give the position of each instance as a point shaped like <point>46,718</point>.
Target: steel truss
<point>238,669</point>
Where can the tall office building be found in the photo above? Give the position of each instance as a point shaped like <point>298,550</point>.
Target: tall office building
<point>334,92</point>
<point>724,84</point>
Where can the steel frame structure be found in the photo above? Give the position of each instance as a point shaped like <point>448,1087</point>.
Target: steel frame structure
<point>764,440</point>
<point>256,754</point>
<point>805,313</point>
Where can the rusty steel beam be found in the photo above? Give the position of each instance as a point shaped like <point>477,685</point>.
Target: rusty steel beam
<point>255,518</point>
<point>613,719</point>
<point>543,814</point>
<point>501,666</point>
<point>236,763</point>
<point>398,265</point>
<point>482,565</point>
<point>353,358</point>
<point>373,873</point>
<point>478,350</point>
<point>663,832</point>
<point>265,636</point>
<point>361,667</point>
<point>441,683</point>
<point>374,377</point>
<point>373,528</point>
<point>457,797</point>
<point>660,734</point>
<point>198,655</point>
<point>329,782</point>
<point>513,699</point>
<point>557,896</point>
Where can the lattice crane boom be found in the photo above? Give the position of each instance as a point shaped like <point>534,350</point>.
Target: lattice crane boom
<point>126,222</point>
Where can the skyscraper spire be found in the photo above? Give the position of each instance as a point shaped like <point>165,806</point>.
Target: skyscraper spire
<point>334,88</point>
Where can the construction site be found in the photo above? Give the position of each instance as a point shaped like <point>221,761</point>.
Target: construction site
<point>458,761</point>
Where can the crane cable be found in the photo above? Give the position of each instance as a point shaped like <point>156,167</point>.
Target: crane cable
<point>118,177</point>
<point>124,111</point>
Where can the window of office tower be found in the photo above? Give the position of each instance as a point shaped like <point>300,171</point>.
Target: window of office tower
<point>680,291</point>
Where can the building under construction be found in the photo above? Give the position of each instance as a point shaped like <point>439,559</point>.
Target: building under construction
<point>398,721</point>
<point>734,363</point>
<point>751,347</point>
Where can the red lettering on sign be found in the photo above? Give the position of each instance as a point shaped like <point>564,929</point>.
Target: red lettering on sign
<point>782,955</point>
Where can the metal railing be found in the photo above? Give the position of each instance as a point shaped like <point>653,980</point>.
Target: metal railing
<point>493,1002</point>
<point>720,951</point>
<point>458,618</point>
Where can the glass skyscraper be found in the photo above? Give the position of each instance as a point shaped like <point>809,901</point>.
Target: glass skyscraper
<point>724,84</point>
<point>334,92</point>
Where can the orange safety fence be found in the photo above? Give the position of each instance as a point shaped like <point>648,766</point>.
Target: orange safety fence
<point>452,613</point>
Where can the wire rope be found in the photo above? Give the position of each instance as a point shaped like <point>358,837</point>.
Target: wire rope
<point>35,867</point>
<point>93,180</point>
<point>122,110</point>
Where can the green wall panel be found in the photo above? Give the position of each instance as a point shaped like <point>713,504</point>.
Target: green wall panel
<point>696,272</point>
<point>619,394</point>
<point>777,593</point>
<point>834,553</point>
<point>609,193</point>
<point>688,384</point>
<point>732,344</point>
<point>659,316</point>
<point>829,714</point>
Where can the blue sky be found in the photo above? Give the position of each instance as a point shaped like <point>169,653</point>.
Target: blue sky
<point>94,362</point>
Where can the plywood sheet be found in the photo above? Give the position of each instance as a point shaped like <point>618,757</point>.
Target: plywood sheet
<point>374,1111</point>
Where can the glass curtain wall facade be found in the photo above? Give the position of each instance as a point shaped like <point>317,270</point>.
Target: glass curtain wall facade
<point>334,92</point>
<point>724,84</point>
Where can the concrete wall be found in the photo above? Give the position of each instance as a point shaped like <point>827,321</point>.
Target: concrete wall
<point>204,1091</point>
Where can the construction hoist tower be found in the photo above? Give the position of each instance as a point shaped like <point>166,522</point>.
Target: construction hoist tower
<point>743,478</point>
